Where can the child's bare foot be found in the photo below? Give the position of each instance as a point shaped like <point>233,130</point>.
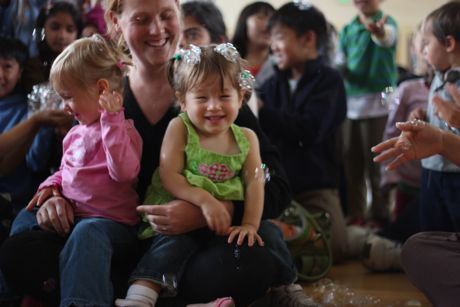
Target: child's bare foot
<point>220,302</point>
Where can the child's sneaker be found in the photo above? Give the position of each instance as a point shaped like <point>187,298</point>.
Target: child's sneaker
<point>381,254</point>
<point>356,237</point>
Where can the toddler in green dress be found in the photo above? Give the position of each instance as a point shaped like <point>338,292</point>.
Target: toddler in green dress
<point>207,160</point>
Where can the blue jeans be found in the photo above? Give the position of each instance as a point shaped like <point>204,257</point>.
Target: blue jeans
<point>86,258</point>
<point>165,260</point>
<point>85,261</point>
<point>24,221</point>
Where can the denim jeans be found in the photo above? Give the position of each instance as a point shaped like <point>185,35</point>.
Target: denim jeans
<point>85,261</point>
<point>165,260</point>
<point>25,220</point>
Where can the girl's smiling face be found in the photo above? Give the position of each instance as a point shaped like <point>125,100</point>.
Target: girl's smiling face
<point>212,106</point>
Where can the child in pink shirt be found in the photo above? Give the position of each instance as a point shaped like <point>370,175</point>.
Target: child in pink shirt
<point>97,176</point>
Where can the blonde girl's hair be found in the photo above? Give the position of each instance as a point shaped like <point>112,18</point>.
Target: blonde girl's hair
<point>87,60</point>
<point>184,76</point>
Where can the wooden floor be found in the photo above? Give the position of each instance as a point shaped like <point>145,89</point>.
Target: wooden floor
<point>382,289</point>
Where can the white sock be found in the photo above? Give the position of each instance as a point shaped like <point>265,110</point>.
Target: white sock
<point>138,296</point>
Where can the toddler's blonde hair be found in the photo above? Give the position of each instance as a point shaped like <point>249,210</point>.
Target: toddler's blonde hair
<point>87,60</point>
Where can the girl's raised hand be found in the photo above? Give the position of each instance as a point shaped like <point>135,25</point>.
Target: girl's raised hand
<point>242,232</point>
<point>111,102</point>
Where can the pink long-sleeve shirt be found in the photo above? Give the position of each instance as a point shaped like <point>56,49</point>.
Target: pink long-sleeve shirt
<point>99,169</point>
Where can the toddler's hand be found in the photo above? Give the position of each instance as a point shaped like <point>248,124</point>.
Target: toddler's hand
<point>41,196</point>
<point>217,217</point>
<point>111,102</point>
<point>418,113</point>
<point>244,231</point>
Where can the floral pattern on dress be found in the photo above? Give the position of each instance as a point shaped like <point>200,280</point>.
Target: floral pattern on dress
<point>216,172</point>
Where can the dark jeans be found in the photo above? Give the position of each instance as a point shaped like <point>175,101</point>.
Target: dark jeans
<point>439,201</point>
<point>407,223</point>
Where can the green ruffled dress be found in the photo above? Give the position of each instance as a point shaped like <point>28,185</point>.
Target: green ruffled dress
<point>218,174</point>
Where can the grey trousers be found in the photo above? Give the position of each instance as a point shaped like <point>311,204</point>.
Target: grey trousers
<point>358,138</point>
<point>328,200</point>
<point>431,260</point>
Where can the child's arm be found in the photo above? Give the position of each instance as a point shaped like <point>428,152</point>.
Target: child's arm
<point>37,157</point>
<point>171,174</point>
<point>51,186</point>
<point>15,143</point>
<point>382,32</point>
<point>121,141</point>
<point>254,179</point>
<point>449,111</point>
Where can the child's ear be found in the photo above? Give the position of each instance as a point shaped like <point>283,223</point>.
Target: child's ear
<point>451,43</point>
<point>102,85</point>
<point>180,99</point>
<point>310,38</point>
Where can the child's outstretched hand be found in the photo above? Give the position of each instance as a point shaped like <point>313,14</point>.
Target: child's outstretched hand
<point>243,231</point>
<point>217,217</point>
<point>111,102</point>
<point>41,196</point>
<point>377,28</point>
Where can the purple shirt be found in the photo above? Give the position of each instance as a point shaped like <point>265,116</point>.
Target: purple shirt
<point>412,94</point>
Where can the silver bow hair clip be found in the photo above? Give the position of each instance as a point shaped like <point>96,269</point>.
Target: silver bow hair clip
<point>190,56</point>
<point>303,4</point>
<point>247,80</point>
<point>228,51</point>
